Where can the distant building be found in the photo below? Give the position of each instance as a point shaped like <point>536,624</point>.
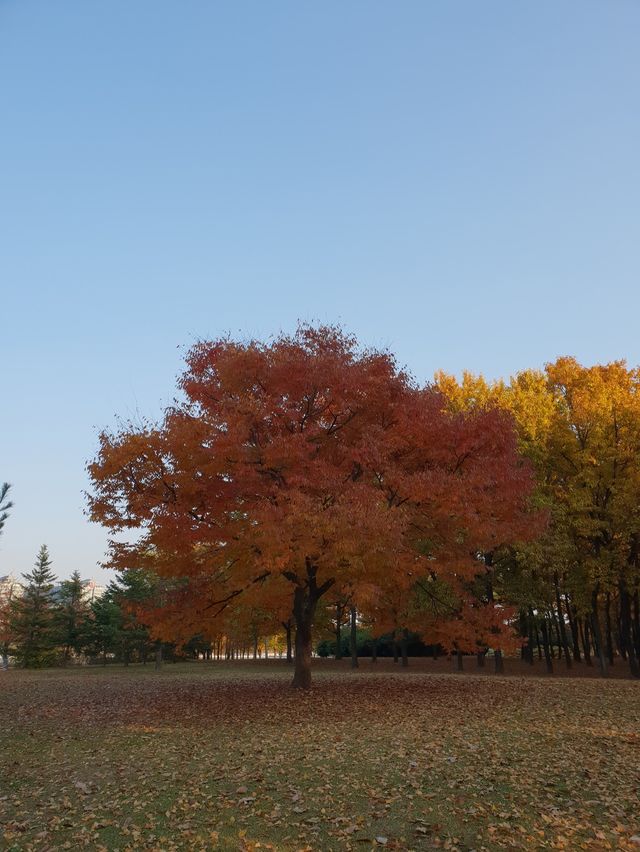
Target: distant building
<point>10,586</point>
<point>92,590</point>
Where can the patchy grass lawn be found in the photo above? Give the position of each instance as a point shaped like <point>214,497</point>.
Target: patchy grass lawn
<point>226,756</point>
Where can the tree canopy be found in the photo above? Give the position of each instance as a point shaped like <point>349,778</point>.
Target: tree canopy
<point>307,464</point>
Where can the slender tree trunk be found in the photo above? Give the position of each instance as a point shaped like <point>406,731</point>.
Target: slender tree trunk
<point>498,661</point>
<point>374,650</point>
<point>459,661</point>
<point>497,653</point>
<point>534,638</point>
<point>597,632</point>
<point>625,618</point>
<point>531,636</point>
<point>553,627</point>
<point>607,627</point>
<point>524,627</point>
<point>353,638</point>
<point>586,641</point>
<point>339,617</point>
<point>636,622</point>
<point>158,655</point>
<point>255,648</point>
<point>395,648</point>
<point>620,645</point>
<point>545,644</point>
<point>404,647</point>
<point>561,623</point>
<point>574,630</point>
<point>287,628</point>
<point>480,659</point>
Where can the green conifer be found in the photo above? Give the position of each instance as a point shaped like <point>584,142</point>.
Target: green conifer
<point>33,615</point>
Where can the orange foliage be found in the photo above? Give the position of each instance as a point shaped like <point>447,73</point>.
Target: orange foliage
<point>302,465</point>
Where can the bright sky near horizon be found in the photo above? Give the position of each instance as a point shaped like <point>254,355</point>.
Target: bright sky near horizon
<point>458,181</point>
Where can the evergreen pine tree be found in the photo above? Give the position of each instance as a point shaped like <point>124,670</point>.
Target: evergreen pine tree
<point>33,615</point>
<point>104,626</point>
<point>131,589</point>
<point>71,616</point>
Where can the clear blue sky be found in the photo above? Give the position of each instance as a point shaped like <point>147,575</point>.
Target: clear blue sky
<point>459,181</point>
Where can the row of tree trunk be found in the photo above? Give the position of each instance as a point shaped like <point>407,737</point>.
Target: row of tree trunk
<point>610,629</point>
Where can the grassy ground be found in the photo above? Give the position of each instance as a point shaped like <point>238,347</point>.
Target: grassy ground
<point>225,756</point>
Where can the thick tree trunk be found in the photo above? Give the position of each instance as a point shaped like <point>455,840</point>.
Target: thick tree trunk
<point>339,617</point>
<point>302,661</point>
<point>353,638</point>
<point>480,659</point>
<point>459,661</point>
<point>306,595</point>
<point>303,610</point>
<point>404,647</point>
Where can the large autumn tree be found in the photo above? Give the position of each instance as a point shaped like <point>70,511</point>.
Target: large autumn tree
<point>302,465</point>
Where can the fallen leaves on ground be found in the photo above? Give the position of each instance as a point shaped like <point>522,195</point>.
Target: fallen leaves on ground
<point>228,757</point>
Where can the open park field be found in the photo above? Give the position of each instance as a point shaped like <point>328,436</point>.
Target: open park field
<point>227,756</point>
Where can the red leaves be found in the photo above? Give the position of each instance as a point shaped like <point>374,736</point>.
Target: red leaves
<point>308,451</point>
